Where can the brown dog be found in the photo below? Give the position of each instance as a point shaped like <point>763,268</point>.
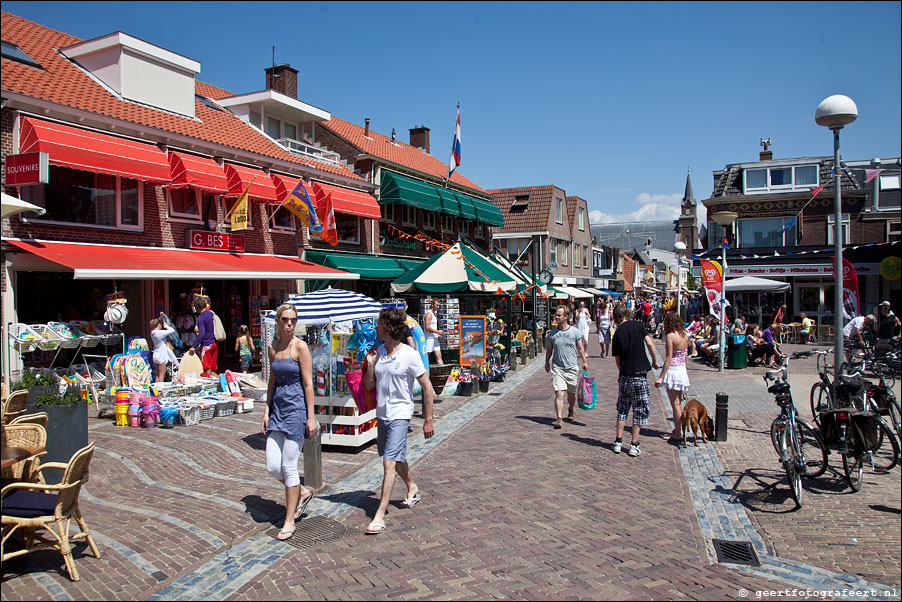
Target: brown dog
<point>695,418</point>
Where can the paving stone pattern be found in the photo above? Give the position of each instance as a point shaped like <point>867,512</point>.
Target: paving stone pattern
<point>512,509</point>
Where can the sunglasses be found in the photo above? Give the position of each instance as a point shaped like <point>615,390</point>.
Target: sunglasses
<point>288,320</point>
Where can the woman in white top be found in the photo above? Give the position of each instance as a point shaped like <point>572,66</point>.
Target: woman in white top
<point>582,323</point>
<point>604,326</point>
<point>162,354</point>
<point>430,327</point>
<point>673,376</point>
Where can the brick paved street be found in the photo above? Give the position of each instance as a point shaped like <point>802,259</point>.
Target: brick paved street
<point>511,509</point>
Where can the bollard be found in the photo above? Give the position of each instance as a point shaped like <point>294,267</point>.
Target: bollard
<point>512,360</point>
<point>523,353</point>
<point>532,349</point>
<point>720,416</point>
<point>313,462</point>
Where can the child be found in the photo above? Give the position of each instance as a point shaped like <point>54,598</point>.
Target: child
<point>244,345</point>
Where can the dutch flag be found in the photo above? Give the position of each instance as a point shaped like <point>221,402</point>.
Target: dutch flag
<point>454,162</point>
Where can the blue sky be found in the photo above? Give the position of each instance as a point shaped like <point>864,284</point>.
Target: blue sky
<point>609,101</point>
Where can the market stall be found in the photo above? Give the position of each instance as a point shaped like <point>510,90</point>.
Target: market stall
<point>339,329</point>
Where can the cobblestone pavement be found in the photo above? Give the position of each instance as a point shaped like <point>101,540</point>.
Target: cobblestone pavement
<point>511,509</point>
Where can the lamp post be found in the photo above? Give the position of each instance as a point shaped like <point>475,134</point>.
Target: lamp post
<point>680,248</point>
<point>724,218</point>
<point>834,112</point>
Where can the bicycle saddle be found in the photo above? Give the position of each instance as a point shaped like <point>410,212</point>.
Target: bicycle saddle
<point>779,388</point>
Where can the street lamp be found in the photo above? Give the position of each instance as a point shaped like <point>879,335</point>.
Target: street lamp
<point>834,112</point>
<point>680,248</point>
<point>724,218</point>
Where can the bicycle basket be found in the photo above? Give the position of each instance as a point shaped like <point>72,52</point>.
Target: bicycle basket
<point>866,433</point>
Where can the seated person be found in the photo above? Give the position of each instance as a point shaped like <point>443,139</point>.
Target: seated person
<point>807,328</point>
<point>739,325</point>
<point>757,347</point>
<point>709,348</point>
<point>696,332</point>
<point>769,336</point>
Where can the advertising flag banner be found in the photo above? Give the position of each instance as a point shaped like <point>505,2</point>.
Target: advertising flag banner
<point>239,210</point>
<point>850,307</point>
<point>326,215</point>
<point>711,273</point>
<point>302,206</point>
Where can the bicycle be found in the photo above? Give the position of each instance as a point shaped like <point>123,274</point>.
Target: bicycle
<point>798,445</point>
<point>881,401</point>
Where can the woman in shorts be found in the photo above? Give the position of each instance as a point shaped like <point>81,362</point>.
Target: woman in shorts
<point>674,377</point>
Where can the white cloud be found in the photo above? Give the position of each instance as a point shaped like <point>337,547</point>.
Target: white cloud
<point>651,207</point>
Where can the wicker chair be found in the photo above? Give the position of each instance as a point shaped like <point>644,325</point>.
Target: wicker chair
<point>32,506</point>
<point>24,435</point>
<point>41,418</point>
<point>15,404</point>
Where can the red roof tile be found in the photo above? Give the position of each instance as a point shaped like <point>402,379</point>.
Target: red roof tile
<point>62,82</point>
<point>398,152</point>
<point>534,219</point>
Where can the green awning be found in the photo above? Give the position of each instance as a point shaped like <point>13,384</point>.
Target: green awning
<point>410,264</point>
<point>368,266</point>
<point>396,188</point>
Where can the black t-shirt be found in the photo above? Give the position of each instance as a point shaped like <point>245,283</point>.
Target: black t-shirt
<point>886,326</point>
<point>629,344</point>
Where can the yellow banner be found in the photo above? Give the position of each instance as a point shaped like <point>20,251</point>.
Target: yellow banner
<point>239,211</point>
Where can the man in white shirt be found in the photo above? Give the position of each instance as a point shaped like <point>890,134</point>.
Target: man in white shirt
<point>852,331</point>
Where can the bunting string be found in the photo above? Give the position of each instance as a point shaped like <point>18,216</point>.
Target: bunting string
<point>785,253</point>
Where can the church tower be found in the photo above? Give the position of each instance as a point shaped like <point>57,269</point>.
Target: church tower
<point>688,221</point>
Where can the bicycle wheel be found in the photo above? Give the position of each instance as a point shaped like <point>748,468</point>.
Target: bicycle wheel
<point>820,400</point>
<point>814,452</point>
<point>795,481</point>
<point>852,466</point>
<point>886,456</point>
<point>776,437</point>
<point>894,417</point>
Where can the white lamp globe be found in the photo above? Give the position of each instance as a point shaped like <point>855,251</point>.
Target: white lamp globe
<point>836,111</point>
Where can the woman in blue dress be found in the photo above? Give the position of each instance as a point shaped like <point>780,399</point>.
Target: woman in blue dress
<point>288,414</point>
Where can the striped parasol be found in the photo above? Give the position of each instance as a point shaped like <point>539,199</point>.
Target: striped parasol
<point>331,305</point>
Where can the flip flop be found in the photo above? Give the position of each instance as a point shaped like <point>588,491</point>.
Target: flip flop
<point>303,506</point>
<point>412,501</point>
<point>283,535</point>
<point>375,528</point>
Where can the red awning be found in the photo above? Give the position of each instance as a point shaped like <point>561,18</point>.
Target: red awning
<point>240,176</point>
<point>346,200</point>
<point>76,148</point>
<point>284,186</point>
<point>197,172</point>
<point>154,263</point>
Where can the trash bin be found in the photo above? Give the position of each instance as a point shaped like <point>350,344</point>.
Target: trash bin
<point>737,352</point>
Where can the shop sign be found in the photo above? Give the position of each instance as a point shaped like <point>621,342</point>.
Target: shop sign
<point>215,241</point>
<point>397,243</point>
<point>27,169</point>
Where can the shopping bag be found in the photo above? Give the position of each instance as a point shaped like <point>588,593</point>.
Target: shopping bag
<point>365,399</point>
<point>586,391</point>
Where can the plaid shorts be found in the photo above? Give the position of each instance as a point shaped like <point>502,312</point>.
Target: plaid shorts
<point>633,394</point>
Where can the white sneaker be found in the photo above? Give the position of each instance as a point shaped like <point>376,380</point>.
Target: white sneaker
<point>634,450</point>
<point>617,446</point>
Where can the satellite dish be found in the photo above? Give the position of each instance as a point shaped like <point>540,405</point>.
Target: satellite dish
<point>545,276</point>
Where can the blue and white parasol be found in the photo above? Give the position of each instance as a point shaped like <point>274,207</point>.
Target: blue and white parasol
<point>331,305</point>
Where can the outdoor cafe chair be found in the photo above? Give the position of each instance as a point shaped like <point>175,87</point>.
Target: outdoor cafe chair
<point>14,405</point>
<point>31,506</point>
<point>24,435</point>
<point>41,418</point>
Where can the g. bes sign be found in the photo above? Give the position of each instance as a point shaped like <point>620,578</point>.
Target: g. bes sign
<point>27,169</point>
<point>215,241</point>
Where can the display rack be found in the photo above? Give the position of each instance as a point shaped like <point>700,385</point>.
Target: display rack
<point>448,321</point>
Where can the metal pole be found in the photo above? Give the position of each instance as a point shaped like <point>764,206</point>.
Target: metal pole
<point>532,252</point>
<point>723,296</point>
<point>837,265</point>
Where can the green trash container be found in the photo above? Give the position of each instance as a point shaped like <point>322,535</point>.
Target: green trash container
<point>737,352</point>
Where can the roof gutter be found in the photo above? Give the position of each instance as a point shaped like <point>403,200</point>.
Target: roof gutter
<point>79,117</point>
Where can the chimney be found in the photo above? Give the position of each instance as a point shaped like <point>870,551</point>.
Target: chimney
<point>766,155</point>
<point>366,129</point>
<point>393,135</point>
<point>283,79</point>
<point>419,138</point>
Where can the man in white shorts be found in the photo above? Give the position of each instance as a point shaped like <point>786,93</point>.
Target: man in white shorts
<point>561,346</point>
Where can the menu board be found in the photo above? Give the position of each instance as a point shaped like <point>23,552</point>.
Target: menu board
<point>472,339</point>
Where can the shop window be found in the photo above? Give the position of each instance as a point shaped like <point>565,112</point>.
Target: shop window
<point>429,220</point>
<point>448,224</point>
<point>91,199</point>
<point>348,227</point>
<point>184,203</point>
<point>282,220</point>
<point>409,215</point>
<point>809,299</point>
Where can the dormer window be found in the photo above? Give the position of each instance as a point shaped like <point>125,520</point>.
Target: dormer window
<point>780,178</point>
<point>520,204</point>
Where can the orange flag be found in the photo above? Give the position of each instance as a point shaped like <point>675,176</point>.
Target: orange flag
<point>326,216</point>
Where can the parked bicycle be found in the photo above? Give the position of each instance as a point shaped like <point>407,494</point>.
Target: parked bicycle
<point>799,447</point>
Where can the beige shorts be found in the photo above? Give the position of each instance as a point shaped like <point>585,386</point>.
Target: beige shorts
<point>562,378</point>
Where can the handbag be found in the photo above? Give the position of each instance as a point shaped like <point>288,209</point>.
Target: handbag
<point>219,332</point>
<point>586,391</point>
<point>364,398</point>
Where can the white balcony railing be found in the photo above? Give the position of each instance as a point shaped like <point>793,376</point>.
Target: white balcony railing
<point>303,149</point>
